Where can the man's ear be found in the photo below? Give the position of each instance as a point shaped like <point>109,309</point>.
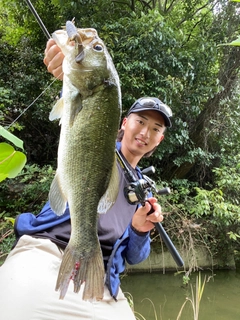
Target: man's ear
<point>123,123</point>
<point>161,139</point>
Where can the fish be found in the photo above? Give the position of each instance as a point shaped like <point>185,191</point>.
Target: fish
<point>86,177</point>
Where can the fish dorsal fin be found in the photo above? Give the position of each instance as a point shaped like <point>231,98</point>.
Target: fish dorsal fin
<point>57,110</point>
<point>57,199</point>
<point>110,196</point>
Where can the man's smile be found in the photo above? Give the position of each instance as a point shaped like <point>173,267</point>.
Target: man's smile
<point>140,141</point>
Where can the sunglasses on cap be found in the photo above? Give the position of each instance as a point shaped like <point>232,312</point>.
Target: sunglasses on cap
<point>155,104</point>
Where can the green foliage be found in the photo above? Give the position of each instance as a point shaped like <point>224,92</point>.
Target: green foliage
<point>218,204</point>
<point>24,78</point>
<point>32,184</point>
<point>6,238</point>
<point>212,203</point>
<point>228,180</point>
<point>11,161</point>
<point>4,99</point>
<point>10,137</point>
<point>33,126</point>
<point>205,218</point>
<point>234,43</point>
<point>28,192</point>
<point>221,202</point>
<point>237,41</point>
<point>233,236</point>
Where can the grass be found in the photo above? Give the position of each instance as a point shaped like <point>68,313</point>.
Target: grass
<point>194,300</point>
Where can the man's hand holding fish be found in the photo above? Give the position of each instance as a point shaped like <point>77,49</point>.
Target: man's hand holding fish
<point>53,59</point>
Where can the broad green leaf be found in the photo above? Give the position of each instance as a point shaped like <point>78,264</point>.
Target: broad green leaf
<point>233,43</point>
<point>11,161</point>
<point>3,176</point>
<point>11,220</point>
<point>11,137</point>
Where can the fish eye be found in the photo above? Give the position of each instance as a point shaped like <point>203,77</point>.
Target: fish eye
<point>98,47</point>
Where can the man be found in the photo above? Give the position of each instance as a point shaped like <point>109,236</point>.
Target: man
<point>29,274</point>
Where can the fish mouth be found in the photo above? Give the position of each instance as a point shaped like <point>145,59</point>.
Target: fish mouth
<point>74,35</point>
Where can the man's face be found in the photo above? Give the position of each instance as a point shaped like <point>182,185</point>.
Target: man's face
<point>143,131</point>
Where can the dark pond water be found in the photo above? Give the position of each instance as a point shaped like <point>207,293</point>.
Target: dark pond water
<point>220,299</point>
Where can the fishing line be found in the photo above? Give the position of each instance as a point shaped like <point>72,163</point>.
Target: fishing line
<point>45,31</point>
<point>32,103</point>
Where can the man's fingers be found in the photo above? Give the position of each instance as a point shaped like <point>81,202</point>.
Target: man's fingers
<point>53,59</point>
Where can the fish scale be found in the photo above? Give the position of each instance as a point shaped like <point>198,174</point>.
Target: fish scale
<point>86,176</point>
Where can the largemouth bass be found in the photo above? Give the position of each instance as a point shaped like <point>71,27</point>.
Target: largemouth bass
<point>86,176</point>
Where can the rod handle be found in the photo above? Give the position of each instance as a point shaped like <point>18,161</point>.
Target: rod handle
<point>176,256</point>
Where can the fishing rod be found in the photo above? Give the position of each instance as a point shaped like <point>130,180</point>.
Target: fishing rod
<point>41,24</point>
<point>137,192</point>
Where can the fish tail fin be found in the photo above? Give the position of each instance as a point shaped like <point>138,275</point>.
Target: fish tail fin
<point>94,285</point>
<point>89,270</point>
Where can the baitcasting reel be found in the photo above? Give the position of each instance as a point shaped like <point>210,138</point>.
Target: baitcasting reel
<point>137,192</point>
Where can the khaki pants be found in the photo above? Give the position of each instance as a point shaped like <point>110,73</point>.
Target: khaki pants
<point>27,288</point>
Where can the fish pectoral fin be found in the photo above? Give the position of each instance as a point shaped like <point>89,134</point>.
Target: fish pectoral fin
<point>57,199</point>
<point>57,110</point>
<point>110,196</point>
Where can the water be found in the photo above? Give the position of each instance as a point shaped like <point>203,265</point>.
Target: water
<point>220,300</point>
